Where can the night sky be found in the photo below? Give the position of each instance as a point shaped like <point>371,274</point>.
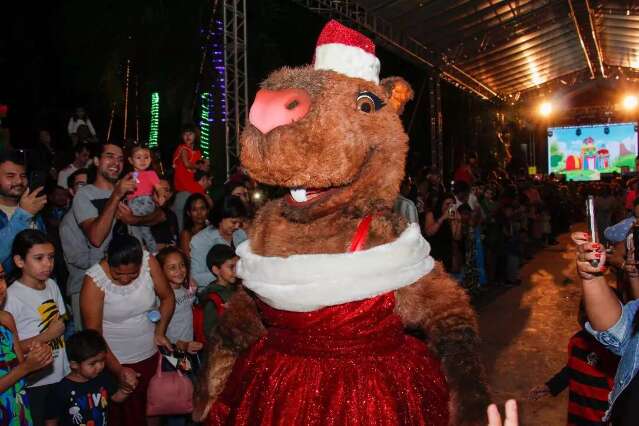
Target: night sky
<point>59,55</point>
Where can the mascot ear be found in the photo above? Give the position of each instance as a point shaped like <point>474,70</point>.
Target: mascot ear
<point>398,91</point>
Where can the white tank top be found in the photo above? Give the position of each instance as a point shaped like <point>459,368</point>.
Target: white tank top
<point>125,325</point>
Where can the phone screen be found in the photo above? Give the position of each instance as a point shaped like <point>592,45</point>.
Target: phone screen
<point>37,178</point>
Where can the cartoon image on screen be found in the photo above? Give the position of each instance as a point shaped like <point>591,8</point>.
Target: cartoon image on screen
<point>584,152</point>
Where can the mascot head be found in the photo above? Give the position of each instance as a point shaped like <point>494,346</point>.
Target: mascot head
<point>331,131</point>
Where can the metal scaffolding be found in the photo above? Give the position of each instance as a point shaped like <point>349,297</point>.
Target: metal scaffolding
<point>235,77</point>
<point>436,123</point>
<point>407,46</point>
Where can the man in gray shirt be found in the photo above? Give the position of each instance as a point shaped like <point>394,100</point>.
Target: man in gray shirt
<point>95,210</point>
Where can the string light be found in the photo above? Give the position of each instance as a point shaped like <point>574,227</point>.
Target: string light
<point>126,96</point>
<point>212,101</point>
<point>205,131</point>
<point>155,120</point>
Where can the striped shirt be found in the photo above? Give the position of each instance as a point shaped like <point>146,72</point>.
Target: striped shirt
<point>589,376</point>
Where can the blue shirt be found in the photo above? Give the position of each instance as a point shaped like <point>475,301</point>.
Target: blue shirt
<point>620,340</point>
<point>201,243</point>
<point>619,231</point>
<point>20,221</point>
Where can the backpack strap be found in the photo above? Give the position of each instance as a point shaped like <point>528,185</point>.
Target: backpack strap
<point>218,301</point>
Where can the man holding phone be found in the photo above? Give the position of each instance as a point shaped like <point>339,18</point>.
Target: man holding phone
<point>19,205</point>
<point>96,208</point>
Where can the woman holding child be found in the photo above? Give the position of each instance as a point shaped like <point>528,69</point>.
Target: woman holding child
<point>116,296</point>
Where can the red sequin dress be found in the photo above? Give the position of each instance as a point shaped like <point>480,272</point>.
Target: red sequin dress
<point>349,364</point>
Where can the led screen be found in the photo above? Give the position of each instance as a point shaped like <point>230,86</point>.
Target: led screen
<point>584,152</point>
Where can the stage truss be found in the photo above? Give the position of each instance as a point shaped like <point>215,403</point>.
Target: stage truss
<point>235,77</point>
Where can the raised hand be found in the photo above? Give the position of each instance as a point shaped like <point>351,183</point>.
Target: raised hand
<point>587,252</point>
<point>494,418</point>
<point>125,185</point>
<point>33,202</point>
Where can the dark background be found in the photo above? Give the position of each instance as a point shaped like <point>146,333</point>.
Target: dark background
<point>55,56</point>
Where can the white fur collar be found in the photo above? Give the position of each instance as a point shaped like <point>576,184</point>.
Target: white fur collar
<point>304,283</point>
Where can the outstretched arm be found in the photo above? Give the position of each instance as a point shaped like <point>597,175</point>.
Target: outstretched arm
<point>438,306</point>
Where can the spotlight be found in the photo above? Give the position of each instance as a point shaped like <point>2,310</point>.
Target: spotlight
<point>630,102</point>
<point>545,109</point>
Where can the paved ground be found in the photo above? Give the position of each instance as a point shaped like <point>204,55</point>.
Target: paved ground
<point>525,332</point>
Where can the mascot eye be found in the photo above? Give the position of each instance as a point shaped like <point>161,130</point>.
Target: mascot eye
<point>368,102</point>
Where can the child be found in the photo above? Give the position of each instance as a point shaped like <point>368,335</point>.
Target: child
<point>83,396</point>
<point>185,159</point>
<point>14,367</point>
<point>141,200</point>
<point>35,302</point>
<point>588,375</point>
<point>221,261</point>
<point>180,329</point>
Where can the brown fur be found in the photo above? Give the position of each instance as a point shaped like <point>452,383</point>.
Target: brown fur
<point>239,327</point>
<point>361,157</point>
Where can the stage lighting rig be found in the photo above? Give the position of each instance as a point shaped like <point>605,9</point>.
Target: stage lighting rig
<point>545,109</point>
<point>630,102</point>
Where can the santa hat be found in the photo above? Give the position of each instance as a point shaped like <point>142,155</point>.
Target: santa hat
<point>346,51</point>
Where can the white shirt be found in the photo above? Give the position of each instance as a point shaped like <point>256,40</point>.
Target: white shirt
<point>125,325</point>
<point>8,210</point>
<point>74,124</point>
<point>64,174</point>
<point>33,311</point>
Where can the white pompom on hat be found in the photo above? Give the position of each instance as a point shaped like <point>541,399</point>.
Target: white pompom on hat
<point>346,51</point>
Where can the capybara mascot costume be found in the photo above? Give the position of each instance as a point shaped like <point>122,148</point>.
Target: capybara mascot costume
<point>335,276</point>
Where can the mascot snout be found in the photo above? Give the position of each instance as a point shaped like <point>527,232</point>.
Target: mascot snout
<point>275,108</point>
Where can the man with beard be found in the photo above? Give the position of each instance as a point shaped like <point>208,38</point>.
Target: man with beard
<point>18,205</point>
<point>97,206</point>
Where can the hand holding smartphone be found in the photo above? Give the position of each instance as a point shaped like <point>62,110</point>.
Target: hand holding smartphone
<point>592,224</point>
<point>451,212</point>
<point>37,179</point>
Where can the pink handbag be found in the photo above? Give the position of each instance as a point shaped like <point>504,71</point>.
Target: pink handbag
<point>169,393</point>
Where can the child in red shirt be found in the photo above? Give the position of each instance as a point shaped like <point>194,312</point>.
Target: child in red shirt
<point>185,158</point>
<point>588,375</point>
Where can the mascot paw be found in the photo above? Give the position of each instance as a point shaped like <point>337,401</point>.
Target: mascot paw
<point>210,383</point>
<point>240,325</point>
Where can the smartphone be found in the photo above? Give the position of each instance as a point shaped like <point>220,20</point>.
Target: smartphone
<point>592,224</point>
<point>37,178</point>
<point>451,212</point>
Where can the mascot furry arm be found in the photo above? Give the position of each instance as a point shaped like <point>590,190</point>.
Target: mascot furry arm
<point>333,135</point>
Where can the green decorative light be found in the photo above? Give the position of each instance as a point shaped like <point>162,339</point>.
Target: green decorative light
<point>155,119</point>
<point>205,119</point>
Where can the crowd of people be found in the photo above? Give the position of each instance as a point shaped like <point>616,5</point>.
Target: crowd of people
<point>106,263</point>
<point>484,227</point>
